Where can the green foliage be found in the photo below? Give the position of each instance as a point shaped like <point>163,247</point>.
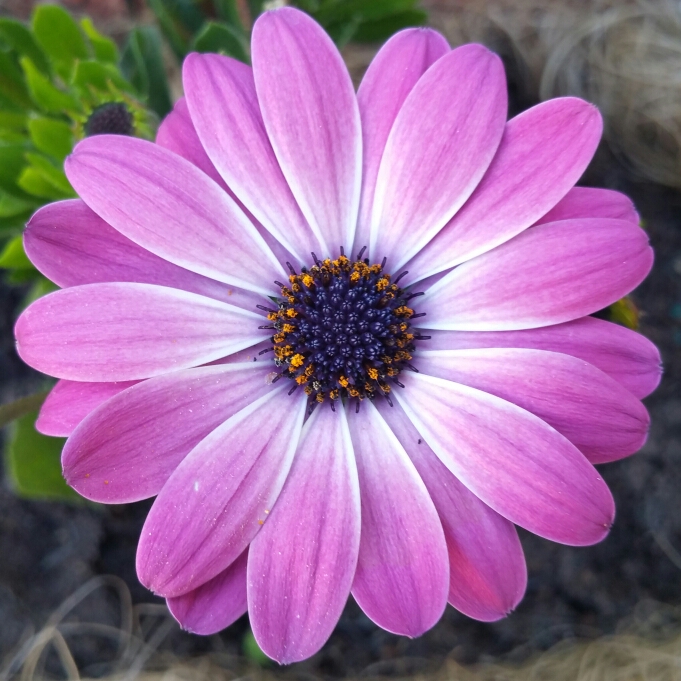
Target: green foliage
<point>253,651</point>
<point>32,462</point>
<point>13,256</point>
<point>221,28</point>
<point>222,38</point>
<point>142,63</point>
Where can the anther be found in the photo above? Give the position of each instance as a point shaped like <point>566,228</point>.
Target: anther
<point>419,337</point>
<point>398,383</point>
<point>279,284</point>
<point>266,309</point>
<point>290,269</point>
<point>316,260</point>
<point>399,276</point>
<point>361,253</point>
<point>293,389</point>
<point>415,295</point>
<point>266,327</point>
<point>342,252</point>
<point>411,367</point>
<point>384,261</point>
<point>262,352</point>
<point>416,316</point>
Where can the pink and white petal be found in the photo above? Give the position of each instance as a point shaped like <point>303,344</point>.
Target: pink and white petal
<point>302,563</point>
<point>220,495</point>
<point>127,449</point>
<point>487,572</point>
<point>177,133</point>
<point>168,206</point>
<point>547,275</point>
<point>215,605</point>
<point>598,415</point>
<point>69,402</point>
<point>442,142</point>
<point>224,108</point>
<point>402,577</point>
<point>627,356</point>
<point>71,245</point>
<point>587,202</point>
<point>125,331</point>
<point>311,116</point>
<point>511,460</point>
<point>543,152</point>
<point>390,77</point>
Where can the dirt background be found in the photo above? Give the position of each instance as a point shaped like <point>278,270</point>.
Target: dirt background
<point>48,550</point>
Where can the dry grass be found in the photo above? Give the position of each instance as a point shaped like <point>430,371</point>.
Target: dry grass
<point>647,647</point>
<point>622,55</point>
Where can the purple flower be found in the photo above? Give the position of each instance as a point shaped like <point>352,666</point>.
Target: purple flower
<point>454,414</point>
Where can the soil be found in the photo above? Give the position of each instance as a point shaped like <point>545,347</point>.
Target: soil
<point>48,550</point>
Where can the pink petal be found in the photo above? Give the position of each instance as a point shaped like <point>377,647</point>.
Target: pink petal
<point>390,77</point>
<point>128,448</point>
<point>215,605</point>
<point>169,207</point>
<point>122,331</point>
<point>71,245</point>
<point>548,274</point>
<point>599,416</point>
<point>543,152</point>
<point>441,144</point>
<point>215,502</point>
<point>628,357</point>
<point>512,460</point>
<point>311,116</point>
<point>177,133</point>
<point>69,402</point>
<point>402,575</point>
<point>585,202</point>
<point>224,106</point>
<point>303,561</point>
<point>487,573</point>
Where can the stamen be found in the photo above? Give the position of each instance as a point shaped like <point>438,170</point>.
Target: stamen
<point>342,330</point>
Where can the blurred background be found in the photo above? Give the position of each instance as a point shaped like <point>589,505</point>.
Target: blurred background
<point>70,603</point>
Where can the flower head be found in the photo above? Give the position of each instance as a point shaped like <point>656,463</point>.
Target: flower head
<point>345,339</point>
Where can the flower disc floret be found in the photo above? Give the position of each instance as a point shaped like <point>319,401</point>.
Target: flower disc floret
<point>343,330</point>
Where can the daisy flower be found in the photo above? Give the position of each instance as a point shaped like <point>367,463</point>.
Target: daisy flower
<point>343,338</point>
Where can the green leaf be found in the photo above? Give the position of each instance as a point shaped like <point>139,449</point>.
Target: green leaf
<point>13,256</point>
<point>60,37</point>
<point>255,8</point>
<point>11,205</point>
<point>12,162</point>
<point>253,651</point>
<point>50,172</point>
<point>343,32</point>
<point>40,288</point>
<point>16,120</point>
<point>12,83</point>
<point>174,33</point>
<point>104,48</point>
<point>51,136</point>
<point>343,10</point>
<point>377,31</point>
<point>228,11</point>
<point>18,37</point>
<point>46,95</point>
<point>33,462</point>
<point>142,64</point>
<point>33,182</point>
<point>223,39</point>
<point>93,74</point>
<point>10,411</point>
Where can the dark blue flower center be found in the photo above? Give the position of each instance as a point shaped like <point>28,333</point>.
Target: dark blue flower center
<point>343,330</point>
<point>112,118</point>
